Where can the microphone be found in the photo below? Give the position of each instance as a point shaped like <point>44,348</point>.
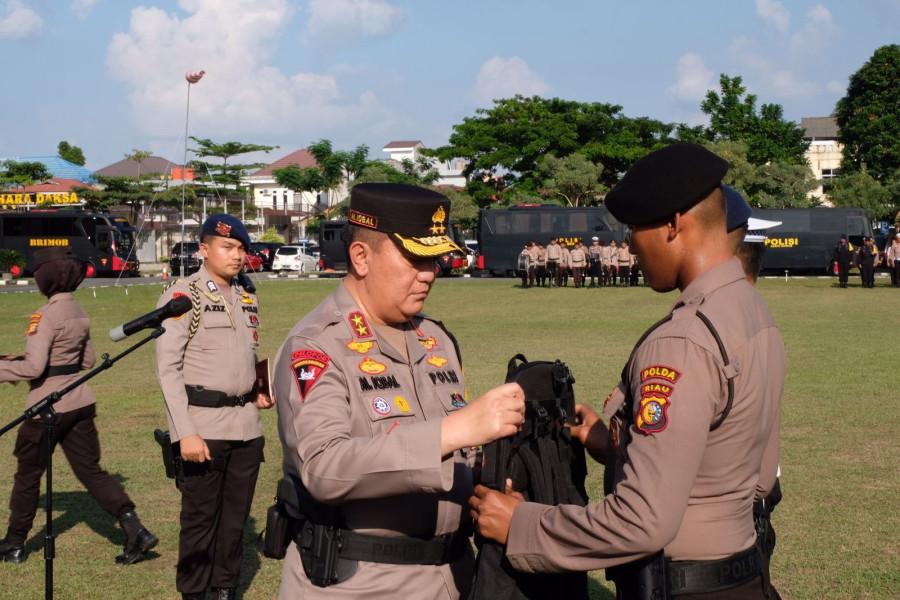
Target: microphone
<point>173,308</point>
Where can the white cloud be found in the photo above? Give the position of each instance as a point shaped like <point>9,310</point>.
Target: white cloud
<point>837,88</point>
<point>17,21</point>
<point>818,32</point>
<point>694,79</point>
<point>83,8</point>
<point>774,14</point>
<point>242,93</point>
<point>504,78</point>
<point>338,22</point>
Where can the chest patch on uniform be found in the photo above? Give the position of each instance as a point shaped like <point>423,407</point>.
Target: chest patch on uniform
<point>179,295</point>
<point>33,323</point>
<point>660,372</point>
<point>212,287</point>
<point>250,309</point>
<point>437,361</point>
<point>246,298</point>
<point>402,404</point>
<point>254,320</point>
<point>360,347</point>
<point>652,415</point>
<point>370,366</point>
<point>444,377</point>
<point>429,344</point>
<point>381,406</point>
<point>214,308</point>
<point>378,382</point>
<point>457,400</point>
<point>308,367</point>
<point>359,324</point>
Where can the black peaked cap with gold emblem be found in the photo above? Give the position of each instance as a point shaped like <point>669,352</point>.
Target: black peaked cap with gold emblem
<point>417,219</point>
<point>664,183</point>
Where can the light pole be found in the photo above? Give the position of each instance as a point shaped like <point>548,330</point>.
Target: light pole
<point>192,77</point>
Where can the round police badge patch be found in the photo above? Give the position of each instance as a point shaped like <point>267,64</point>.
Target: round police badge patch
<point>457,400</point>
<point>381,406</point>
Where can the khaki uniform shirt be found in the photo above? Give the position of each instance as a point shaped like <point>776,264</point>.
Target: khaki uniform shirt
<point>577,257</point>
<point>541,257</point>
<point>58,334</point>
<point>595,253</point>
<point>609,256</point>
<point>360,424</point>
<point>220,356</point>
<point>678,485</point>
<point>564,258</point>
<point>624,258</point>
<point>554,253</point>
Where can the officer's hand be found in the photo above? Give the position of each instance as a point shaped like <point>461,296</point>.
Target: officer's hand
<point>264,401</point>
<point>194,449</point>
<point>498,413</point>
<point>591,431</point>
<point>493,511</point>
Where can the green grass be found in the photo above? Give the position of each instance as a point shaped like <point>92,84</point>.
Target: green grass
<point>837,526</point>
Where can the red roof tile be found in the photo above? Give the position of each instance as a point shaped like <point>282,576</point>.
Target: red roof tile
<point>57,184</point>
<point>302,158</point>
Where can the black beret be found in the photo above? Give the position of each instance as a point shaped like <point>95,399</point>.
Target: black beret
<point>225,225</point>
<point>664,183</point>
<point>417,219</point>
<point>736,208</point>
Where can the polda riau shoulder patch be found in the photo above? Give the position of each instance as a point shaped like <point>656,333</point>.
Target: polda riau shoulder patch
<point>652,416</point>
<point>33,323</point>
<point>660,372</point>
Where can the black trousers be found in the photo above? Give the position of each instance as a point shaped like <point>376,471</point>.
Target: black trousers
<point>867,274</point>
<point>895,274</point>
<point>843,273</point>
<point>625,275</point>
<point>215,504</point>
<point>75,432</point>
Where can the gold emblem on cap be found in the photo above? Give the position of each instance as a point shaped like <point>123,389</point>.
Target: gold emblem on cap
<point>437,220</point>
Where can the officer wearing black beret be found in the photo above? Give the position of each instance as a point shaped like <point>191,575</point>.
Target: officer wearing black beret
<point>206,364</point>
<point>693,434</point>
<point>375,419</point>
<point>57,348</point>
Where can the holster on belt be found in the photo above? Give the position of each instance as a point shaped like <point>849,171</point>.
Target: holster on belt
<point>168,454</point>
<point>644,579</point>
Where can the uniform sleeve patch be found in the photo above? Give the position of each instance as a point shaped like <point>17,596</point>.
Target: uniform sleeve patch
<point>660,372</point>
<point>359,324</point>
<point>360,347</point>
<point>652,415</point>
<point>371,366</point>
<point>180,295</point>
<point>308,367</point>
<point>436,361</point>
<point>428,343</point>
<point>33,323</point>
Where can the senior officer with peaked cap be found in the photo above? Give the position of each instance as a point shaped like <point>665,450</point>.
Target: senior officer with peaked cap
<point>376,427</point>
<point>206,364</point>
<point>694,424</point>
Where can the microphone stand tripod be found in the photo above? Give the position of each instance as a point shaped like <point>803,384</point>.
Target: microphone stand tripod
<point>44,408</point>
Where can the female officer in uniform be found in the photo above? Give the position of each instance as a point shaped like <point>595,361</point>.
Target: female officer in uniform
<point>58,346</point>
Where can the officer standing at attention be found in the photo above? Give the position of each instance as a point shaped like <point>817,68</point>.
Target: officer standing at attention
<point>554,257</point>
<point>374,420</point>
<point>57,347</point>
<point>613,263</point>
<point>541,265</point>
<point>843,256</point>
<point>206,364</point>
<point>694,423</point>
<point>595,253</point>
<point>867,257</point>
<point>578,261</point>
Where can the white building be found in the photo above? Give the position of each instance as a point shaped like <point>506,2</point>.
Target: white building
<point>451,171</point>
<point>825,151</point>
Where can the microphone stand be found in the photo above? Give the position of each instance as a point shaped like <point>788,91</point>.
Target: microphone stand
<point>44,408</point>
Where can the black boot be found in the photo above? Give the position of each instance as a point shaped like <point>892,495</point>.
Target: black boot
<point>224,593</point>
<point>12,549</point>
<point>197,596</point>
<point>139,540</point>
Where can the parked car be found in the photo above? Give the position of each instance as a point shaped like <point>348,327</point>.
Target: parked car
<point>294,258</point>
<point>253,263</point>
<point>266,251</point>
<point>185,257</point>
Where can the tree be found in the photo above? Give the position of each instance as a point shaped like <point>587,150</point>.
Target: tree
<point>73,154</point>
<point>272,235</point>
<point>223,175</point>
<point>139,156</point>
<point>502,145</point>
<point>294,178</point>
<point>733,117</point>
<point>774,185</point>
<point>859,189</point>
<point>868,116</point>
<point>573,178</point>
<point>14,173</point>
<point>131,192</point>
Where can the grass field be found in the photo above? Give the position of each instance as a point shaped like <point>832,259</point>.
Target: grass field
<point>837,526</point>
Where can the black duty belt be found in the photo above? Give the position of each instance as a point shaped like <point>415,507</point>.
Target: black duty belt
<point>200,396</point>
<point>401,550</point>
<point>56,370</point>
<point>705,576</point>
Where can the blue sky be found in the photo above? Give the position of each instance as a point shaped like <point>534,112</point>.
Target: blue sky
<point>108,75</point>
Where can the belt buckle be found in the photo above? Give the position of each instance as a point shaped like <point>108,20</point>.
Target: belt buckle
<point>241,400</point>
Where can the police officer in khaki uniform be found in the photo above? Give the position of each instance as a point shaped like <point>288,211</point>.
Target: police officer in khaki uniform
<point>541,265</point>
<point>375,422</point>
<point>554,257</point>
<point>613,263</point>
<point>578,262</point>
<point>624,260</point>
<point>595,259</point>
<point>206,364</point>
<point>694,430</point>
<point>57,347</point>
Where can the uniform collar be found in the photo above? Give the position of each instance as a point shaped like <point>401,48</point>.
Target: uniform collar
<point>206,277</point>
<point>712,279</point>
<point>61,296</point>
<point>349,311</point>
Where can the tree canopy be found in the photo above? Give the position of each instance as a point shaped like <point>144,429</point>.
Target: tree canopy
<point>223,175</point>
<point>13,173</point>
<point>869,116</point>
<point>71,153</point>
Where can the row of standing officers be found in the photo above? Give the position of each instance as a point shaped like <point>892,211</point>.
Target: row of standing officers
<point>606,265</point>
